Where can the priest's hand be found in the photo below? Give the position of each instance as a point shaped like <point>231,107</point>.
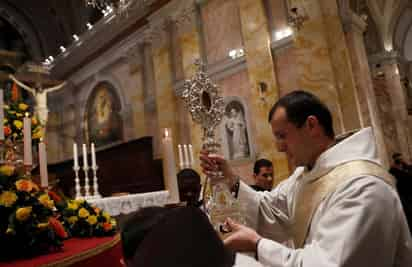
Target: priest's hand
<point>213,163</point>
<point>242,238</point>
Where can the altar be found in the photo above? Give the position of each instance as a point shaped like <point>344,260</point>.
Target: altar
<point>126,204</point>
<point>78,252</point>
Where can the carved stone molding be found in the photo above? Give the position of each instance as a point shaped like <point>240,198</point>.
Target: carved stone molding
<point>218,71</point>
<point>279,45</point>
<point>384,58</point>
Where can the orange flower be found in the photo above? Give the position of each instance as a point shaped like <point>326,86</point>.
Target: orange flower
<point>107,226</point>
<point>7,130</point>
<point>96,210</point>
<point>54,196</point>
<point>24,185</point>
<point>58,227</point>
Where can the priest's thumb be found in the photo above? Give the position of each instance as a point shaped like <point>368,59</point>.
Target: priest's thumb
<point>232,225</point>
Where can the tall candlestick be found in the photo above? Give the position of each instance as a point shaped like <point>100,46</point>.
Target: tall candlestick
<point>191,157</point>
<point>180,152</point>
<point>85,164</point>
<point>1,115</point>
<point>44,178</point>
<point>186,156</point>
<point>93,156</point>
<point>169,167</point>
<point>75,156</point>
<point>28,157</point>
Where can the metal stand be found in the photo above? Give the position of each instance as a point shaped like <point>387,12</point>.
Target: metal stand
<point>86,182</point>
<point>96,193</point>
<point>77,182</point>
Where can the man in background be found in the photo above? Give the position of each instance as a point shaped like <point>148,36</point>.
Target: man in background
<point>263,175</point>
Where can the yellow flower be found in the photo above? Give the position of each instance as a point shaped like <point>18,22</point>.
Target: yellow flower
<point>18,124</point>
<point>5,121</point>
<point>6,106</point>
<point>7,198</point>
<point>83,213</point>
<point>37,134</point>
<point>42,225</point>
<point>79,201</point>
<point>23,106</point>
<point>15,135</point>
<point>19,114</point>
<point>92,220</point>
<point>72,219</point>
<point>10,231</point>
<point>12,112</point>
<point>23,214</point>
<point>46,201</point>
<point>72,205</point>
<point>106,216</point>
<point>7,170</point>
<point>24,185</point>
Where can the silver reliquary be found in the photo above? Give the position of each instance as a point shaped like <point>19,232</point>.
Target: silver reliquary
<point>206,106</point>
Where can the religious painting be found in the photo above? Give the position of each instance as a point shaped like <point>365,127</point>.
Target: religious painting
<point>235,133</point>
<point>104,125</point>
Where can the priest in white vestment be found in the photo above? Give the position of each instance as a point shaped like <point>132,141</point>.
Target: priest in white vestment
<point>340,209</point>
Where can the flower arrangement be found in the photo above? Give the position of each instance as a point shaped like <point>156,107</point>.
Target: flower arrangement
<point>27,223</point>
<point>34,221</point>
<point>83,220</point>
<point>13,122</point>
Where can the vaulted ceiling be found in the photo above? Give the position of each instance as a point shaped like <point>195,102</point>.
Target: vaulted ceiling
<point>42,26</point>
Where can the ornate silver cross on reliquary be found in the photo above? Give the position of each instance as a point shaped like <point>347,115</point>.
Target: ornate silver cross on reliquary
<point>206,106</point>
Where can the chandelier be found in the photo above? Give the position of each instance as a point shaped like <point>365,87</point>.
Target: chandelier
<point>118,6</point>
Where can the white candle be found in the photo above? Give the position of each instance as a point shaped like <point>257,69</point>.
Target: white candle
<point>93,156</point>
<point>186,156</point>
<point>85,164</point>
<point>191,157</point>
<point>28,157</point>
<point>44,178</point>
<point>180,152</point>
<point>75,156</point>
<point>1,115</point>
<point>169,167</point>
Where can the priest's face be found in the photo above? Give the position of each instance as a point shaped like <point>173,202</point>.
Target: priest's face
<point>294,141</point>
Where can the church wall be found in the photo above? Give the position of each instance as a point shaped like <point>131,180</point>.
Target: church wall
<point>285,61</point>
<point>316,60</point>
<point>221,24</point>
<point>260,68</point>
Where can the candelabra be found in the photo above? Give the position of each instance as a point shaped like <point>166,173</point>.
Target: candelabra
<point>77,182</point>
<point>96,193</point>
<point>86,182</point>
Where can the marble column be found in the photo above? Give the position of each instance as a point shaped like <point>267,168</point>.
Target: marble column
<point>134,58</point>
<point>150,106</point>
<point>256,38</point>
<point>165,97</point>
<point>341,65</point>
<point>354,28</point>
<point>389,63</point>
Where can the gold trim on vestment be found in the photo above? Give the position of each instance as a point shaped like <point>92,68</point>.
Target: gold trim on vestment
<point>312,193</point>
<point>85,254</point>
